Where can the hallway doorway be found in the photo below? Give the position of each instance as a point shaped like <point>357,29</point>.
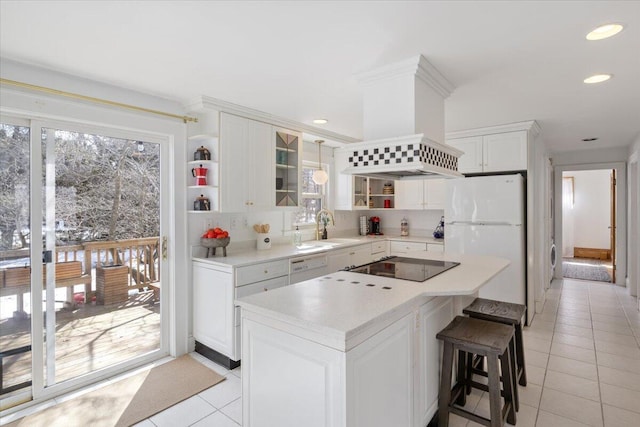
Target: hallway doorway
<point>588,225</point>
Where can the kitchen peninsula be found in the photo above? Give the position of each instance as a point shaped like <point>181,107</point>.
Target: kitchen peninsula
<point>349,349</point>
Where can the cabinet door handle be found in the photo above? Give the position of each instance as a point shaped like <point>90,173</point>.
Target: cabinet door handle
<point>352,253</point>
<point>266,272</point>
<point>265,289</point>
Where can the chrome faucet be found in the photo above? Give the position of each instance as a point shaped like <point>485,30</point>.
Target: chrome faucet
<point>323,213</point>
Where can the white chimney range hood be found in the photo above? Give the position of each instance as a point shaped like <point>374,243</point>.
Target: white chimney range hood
<point>403,124</point>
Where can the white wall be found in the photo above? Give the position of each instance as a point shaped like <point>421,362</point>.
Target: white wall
<point>592,208</point>
<point>538,222</point>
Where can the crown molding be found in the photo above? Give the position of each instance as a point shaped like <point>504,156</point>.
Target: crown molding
<point>209,103</point>
<point>530,126</point>
<point>417,66</point>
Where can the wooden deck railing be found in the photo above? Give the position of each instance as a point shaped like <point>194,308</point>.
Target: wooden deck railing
<point>140,256</point>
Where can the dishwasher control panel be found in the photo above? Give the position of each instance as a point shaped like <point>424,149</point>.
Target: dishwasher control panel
<point>307,263</point>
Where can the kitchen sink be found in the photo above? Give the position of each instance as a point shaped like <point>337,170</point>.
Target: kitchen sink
<point>313,247</point>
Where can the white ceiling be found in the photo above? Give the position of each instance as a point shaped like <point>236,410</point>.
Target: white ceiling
<point>510,61</point>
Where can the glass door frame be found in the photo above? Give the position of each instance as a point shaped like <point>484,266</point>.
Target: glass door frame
<point>39,391</point>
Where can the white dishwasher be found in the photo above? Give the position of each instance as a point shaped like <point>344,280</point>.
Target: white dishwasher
<point>307,267</point>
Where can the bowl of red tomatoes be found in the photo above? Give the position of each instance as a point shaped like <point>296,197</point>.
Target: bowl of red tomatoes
<point>215,238</point>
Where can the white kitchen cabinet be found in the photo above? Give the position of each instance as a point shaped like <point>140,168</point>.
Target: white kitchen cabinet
<point>379,248</point>
<point>337,260</point>
<point>434,193</point>
<point>355,255</point>
<point>288,170</point>
<point>434,316</point>
<point>262,271</point>
<point>380,371</point>
<point>246,164</point>
<point>409,194</point>
<point>340,389</point>
<point>213,308</point>
<point>260,176</point>
<point>471,161</point>
<point>492,153</point>
<point>419,194</point>
<point>435,247</point>
<point>260,165</point>
<point>402,248</point>
<point>216,321</point>
<point>391,378</point>
<point>342,184</point>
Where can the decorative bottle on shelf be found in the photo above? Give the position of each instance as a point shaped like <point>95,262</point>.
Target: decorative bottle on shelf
<point>404,227</point>
<point>297,237</point>
<point>438,233</point>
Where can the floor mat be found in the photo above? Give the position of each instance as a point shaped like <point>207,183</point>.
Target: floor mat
<point>131,400</point>
<point>586,269</point>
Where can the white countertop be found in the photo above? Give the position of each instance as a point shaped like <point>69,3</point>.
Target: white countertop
<point>340,310</point>
<point>247,256</point>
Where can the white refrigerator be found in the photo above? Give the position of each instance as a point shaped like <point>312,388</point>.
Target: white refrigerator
<point>485,216</point>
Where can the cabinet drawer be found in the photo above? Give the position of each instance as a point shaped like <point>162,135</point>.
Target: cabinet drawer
<point>258,272</point>
<point>254,288</point>
<point>265,285</point>
<point>434,247</point>
<point>404,247</point>
<point>377,247</point>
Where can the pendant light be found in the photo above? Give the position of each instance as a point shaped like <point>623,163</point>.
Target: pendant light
<point>320,177</point>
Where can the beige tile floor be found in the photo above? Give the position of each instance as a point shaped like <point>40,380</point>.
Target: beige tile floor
<point>583,365</point>
<point>583,361</point>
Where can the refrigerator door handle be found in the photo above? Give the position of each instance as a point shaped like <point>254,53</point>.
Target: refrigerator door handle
<point>481,223</point>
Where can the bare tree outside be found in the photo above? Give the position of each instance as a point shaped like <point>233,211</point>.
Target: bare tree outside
<point>106,188</point>
<point>14,186</point>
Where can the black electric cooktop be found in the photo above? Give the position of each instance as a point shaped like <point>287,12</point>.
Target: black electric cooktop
<point>417,270</point>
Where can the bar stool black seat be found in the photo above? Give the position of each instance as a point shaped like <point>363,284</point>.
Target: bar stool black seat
<point>509,314</point>
<point>491,340</point>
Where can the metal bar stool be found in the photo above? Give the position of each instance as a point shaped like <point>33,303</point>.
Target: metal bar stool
<point>509,314</point>
<point>491,340</point>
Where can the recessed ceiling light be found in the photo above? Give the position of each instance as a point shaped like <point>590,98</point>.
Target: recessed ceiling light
<point>604,31</point>
<point>320,121</point>
<point>597,78</point>
<point>589,139</point>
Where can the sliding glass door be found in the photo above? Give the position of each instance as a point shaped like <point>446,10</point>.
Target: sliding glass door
<point>15,257</point>
<point>95,301</point>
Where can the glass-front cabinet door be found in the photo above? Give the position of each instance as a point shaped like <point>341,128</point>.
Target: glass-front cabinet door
<point>288,146</point>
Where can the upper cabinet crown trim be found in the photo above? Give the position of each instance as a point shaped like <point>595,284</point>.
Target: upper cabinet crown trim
<point>207,102</point>
<point>531,126</point>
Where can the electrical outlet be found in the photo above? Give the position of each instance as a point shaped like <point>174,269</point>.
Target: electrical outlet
<point>233,223</point>
<point>245,222</point>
